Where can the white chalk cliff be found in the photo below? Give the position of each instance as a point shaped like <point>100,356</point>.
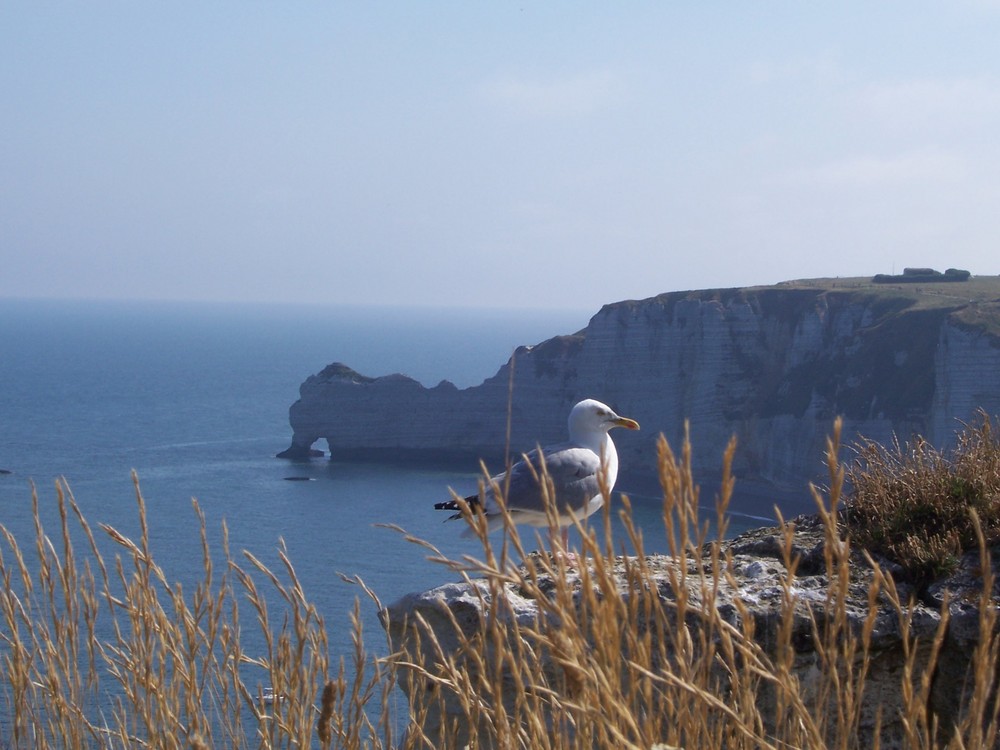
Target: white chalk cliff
<point>772,365</point>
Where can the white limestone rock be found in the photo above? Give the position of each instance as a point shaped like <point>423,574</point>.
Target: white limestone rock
<point>772,365</point>
<point>754,588</point>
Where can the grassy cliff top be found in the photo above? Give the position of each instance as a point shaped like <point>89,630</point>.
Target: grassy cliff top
<point>976,302</point>
<point>938,294</point>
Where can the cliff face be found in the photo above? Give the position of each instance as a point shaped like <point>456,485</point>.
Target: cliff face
<point>773,365</point>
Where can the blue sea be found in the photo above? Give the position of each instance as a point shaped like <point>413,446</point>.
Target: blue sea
<point>194,399</point>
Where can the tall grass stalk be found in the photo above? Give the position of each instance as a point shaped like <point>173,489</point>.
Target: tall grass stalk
<point>637,651</point>
<point>607,650</point>
<point>110,653</point>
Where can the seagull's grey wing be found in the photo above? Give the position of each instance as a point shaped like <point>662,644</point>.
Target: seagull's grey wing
<point>573,471</point>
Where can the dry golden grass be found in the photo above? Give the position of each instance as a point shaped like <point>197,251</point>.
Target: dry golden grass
<point>607,664</point>
<point>99,653</point>
<point>911,502</point>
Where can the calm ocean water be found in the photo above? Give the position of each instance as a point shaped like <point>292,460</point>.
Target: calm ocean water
<point>195,399</point>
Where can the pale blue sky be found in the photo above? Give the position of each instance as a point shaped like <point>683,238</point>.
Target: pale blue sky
<point>556,154</point>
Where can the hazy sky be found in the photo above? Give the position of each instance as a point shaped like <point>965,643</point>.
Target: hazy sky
<point>556,154</point>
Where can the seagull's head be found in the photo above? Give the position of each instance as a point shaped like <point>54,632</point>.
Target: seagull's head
<point>589,417</point>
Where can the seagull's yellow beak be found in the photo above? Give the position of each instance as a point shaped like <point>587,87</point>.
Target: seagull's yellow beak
<point>628,424</point>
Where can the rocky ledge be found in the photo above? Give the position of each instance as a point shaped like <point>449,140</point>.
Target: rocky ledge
<point>756,587</point>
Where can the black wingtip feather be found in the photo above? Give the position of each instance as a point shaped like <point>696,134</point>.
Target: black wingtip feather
<point>472,501</point>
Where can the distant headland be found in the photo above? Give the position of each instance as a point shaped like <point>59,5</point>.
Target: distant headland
<point>773,365</point>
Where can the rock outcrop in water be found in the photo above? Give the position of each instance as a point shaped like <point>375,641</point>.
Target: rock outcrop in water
<point>773,365</point>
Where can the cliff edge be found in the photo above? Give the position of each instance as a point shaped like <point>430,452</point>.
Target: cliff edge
<point>773,365</point>
<point>793,592</point>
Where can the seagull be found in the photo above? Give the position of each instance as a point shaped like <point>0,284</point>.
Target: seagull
<point>573,467</point>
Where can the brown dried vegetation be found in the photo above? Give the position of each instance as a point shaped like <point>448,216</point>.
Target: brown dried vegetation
<point>629,671</point>
<point>912,502</point>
